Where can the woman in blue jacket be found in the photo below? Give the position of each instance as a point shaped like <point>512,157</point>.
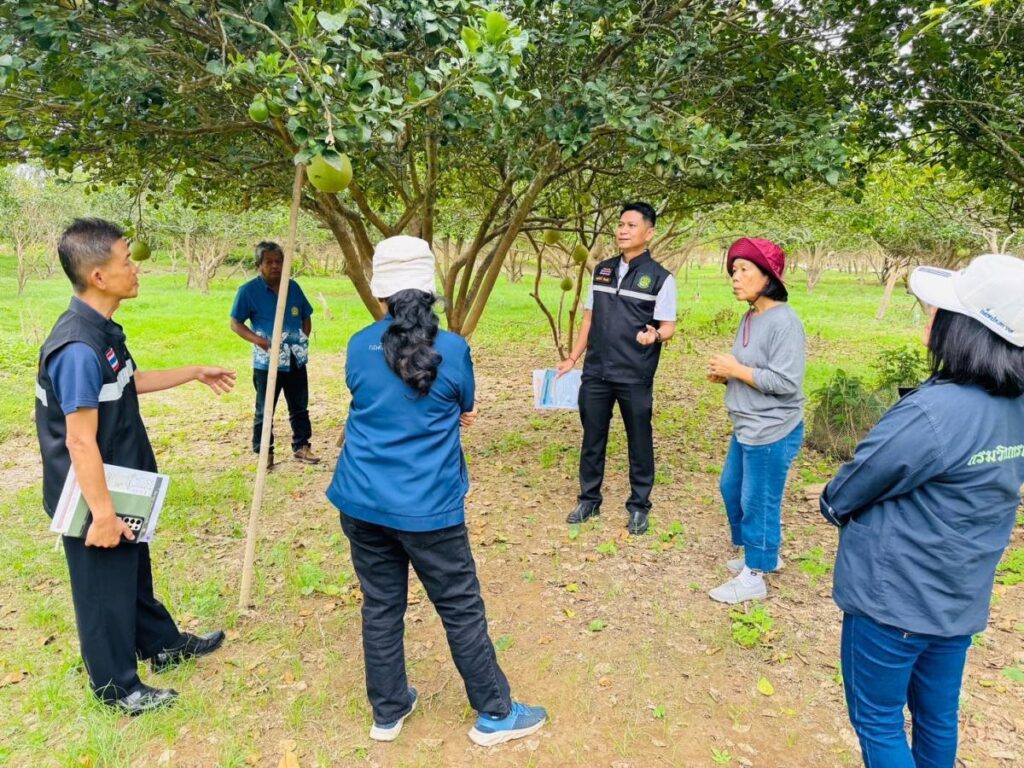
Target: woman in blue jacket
<point>925,510</point>
<point>400,485</point>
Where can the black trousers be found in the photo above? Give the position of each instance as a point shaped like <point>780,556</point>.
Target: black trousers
<point>295,385</point>
<point>636,404</point>
<point>119,619</point>
<point>444,563</point>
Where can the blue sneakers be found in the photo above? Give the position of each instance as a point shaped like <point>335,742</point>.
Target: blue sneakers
<point>390,731</point>
<point>521,721</point>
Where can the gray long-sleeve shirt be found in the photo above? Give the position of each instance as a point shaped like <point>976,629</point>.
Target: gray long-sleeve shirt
<point>775,350</point>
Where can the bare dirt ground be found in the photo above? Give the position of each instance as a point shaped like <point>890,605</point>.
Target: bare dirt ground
<point>614,634</point>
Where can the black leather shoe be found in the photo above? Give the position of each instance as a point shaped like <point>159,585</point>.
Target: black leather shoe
<point>194,645</point>
<point>145,699</point>
<point>584,511</point>
<point>637,521</point>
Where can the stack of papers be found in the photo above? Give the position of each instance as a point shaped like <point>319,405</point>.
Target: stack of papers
<point>138,498</point>
<point>551,391</point>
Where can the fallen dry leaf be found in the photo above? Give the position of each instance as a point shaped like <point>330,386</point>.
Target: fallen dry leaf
<point>13,678</point>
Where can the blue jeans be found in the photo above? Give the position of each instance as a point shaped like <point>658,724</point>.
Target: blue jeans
<point>444,563</point>
<point>885,668</point>
<point>752,482</point>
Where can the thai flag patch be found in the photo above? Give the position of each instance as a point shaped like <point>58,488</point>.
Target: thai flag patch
<point>112,359</point>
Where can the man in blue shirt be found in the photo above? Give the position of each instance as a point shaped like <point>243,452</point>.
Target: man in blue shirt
<point>87,415</point>
<point>256,303</point>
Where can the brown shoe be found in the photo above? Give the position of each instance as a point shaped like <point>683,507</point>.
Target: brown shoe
<point>305,455</point>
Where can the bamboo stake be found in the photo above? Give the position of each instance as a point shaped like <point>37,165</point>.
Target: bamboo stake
<point>268,401</point>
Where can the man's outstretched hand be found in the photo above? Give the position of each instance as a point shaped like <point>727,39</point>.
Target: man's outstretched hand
<point>220,380</point>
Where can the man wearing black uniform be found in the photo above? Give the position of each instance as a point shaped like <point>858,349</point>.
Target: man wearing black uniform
<point>630,313</point>
<point>87,414</point>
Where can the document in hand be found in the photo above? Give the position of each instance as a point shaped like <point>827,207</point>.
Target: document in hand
<point>551,391</point>
<point>138,498</point>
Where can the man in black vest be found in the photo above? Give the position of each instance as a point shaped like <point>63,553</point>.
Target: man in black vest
<point>630,313</point>
<point>87,414</point>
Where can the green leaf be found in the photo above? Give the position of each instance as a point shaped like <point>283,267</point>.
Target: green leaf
<point>832,177</point>
<point>471,38</point>
<point>596,625</point>
<point>503,643</point>
<point>496,24</point>
<point>765,688</point>
<point>1014,673</point>
<point>332,22</point>
<point>481,88</point>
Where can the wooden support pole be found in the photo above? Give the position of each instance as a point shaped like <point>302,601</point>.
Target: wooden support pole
<point>244,602</point>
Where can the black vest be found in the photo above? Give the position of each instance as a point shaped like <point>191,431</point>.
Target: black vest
<point>619,313</point>
<point>121,435</point>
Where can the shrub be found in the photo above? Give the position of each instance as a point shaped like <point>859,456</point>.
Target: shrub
<point>900,367</point>
<point>845,409</point>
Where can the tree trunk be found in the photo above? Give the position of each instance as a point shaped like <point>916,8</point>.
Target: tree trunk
<point>21,251</point>
<point>890,285</point>
<point>485,281</point>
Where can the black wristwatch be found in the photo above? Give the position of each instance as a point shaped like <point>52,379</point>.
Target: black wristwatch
<point>657,336</point>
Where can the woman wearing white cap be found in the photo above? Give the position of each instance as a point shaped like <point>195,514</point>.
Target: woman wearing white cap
<point>925,510</point>
<point>400,485</point>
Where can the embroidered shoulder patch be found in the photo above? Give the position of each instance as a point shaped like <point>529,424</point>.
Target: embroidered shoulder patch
<point>112,359</point>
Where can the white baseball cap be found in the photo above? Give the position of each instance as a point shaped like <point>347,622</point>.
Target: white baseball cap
<point>990,289</point>
<point>400,263</point>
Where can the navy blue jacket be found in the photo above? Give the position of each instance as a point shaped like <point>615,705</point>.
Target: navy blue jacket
<point>402,464</point>
<point>926,507</point>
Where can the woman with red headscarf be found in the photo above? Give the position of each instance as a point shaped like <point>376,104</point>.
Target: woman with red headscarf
<point>764,377</point>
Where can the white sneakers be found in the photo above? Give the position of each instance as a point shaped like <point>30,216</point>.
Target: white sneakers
<point>747,585</point>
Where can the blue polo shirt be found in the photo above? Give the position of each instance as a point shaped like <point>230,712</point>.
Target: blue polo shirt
<point>402,464</point>
<point>256,303</point>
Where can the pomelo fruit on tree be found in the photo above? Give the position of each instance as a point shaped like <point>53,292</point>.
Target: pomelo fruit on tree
<point>140,250</point>
<point>552,236</point>
<point>580,254</point>
<point>330,173</point>
<point>566,283</point>
<point>258,111</point>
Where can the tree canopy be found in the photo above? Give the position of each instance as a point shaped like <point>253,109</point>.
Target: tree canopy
<point>495,120</point>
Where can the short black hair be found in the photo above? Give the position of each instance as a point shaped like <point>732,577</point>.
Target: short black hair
<point>964,351</point>
<point>775,290</point>
<point>263,247</point>
<point>86,244</point>
<point>644,209</point>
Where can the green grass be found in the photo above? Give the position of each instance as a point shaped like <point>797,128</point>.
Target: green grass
<point>168,325</point>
